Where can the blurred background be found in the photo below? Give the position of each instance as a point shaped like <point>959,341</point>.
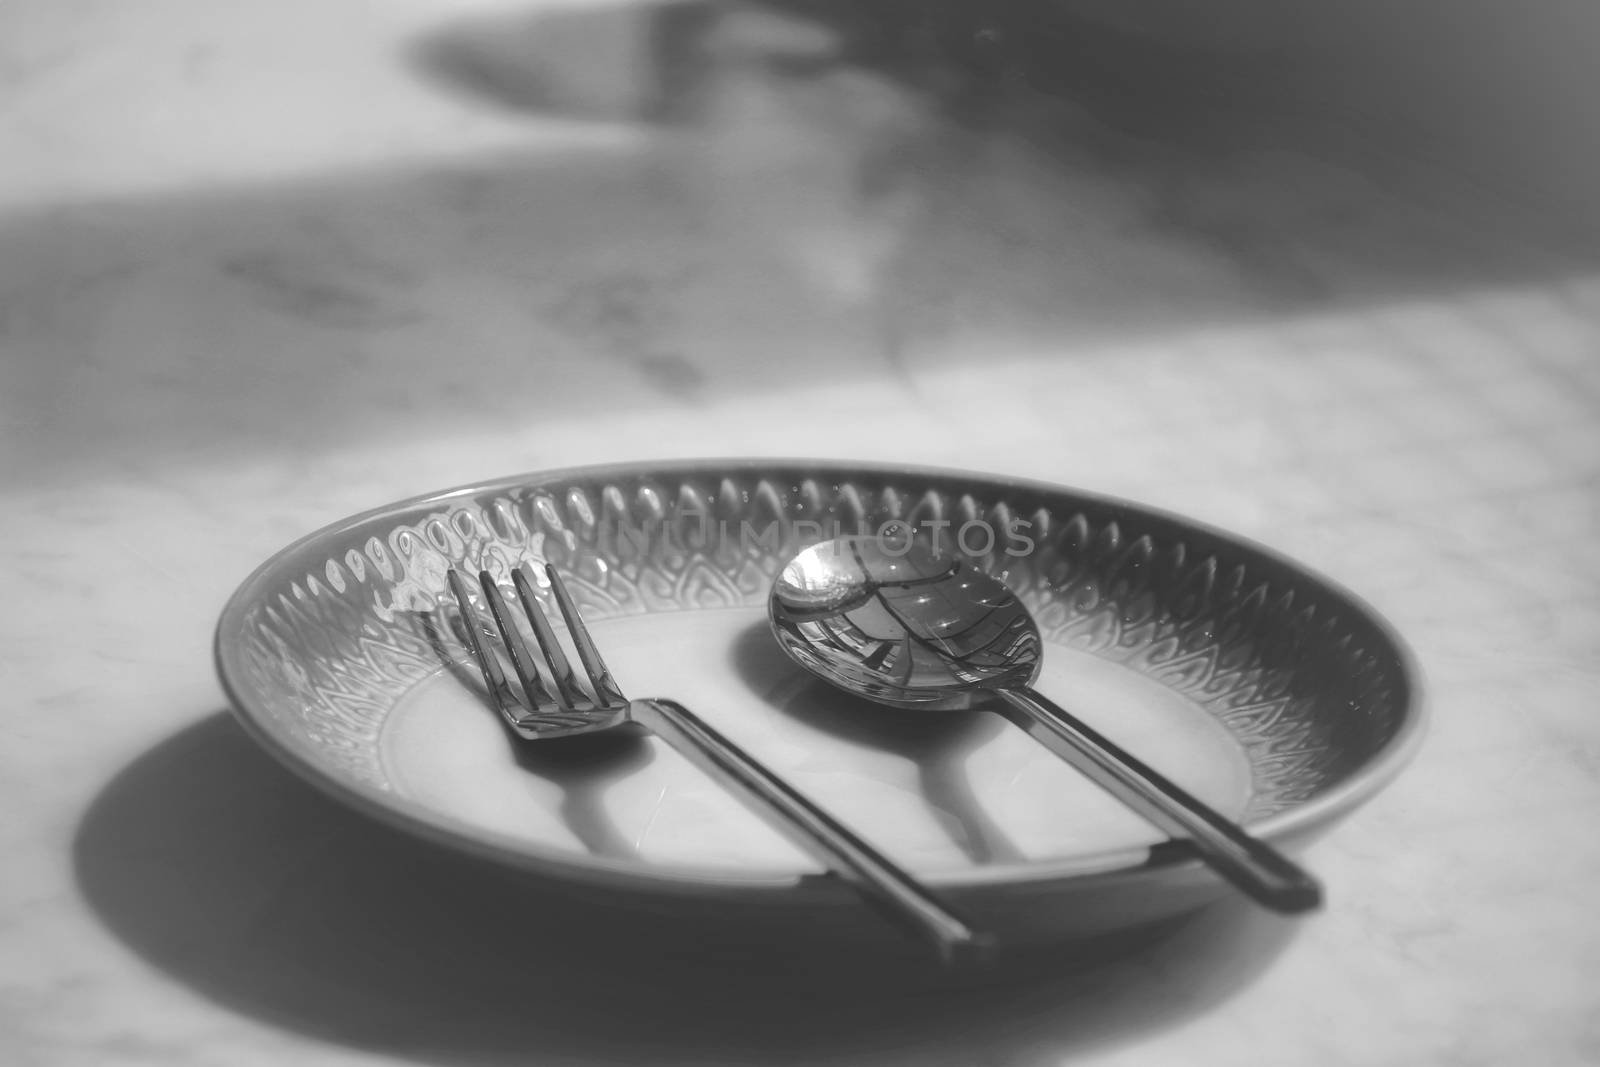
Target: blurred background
<point>671,203</point>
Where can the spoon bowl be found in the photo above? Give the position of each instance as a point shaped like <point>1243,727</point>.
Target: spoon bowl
<point>902,625</point>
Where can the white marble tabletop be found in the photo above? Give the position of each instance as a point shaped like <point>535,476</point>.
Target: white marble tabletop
<point>265,265</point>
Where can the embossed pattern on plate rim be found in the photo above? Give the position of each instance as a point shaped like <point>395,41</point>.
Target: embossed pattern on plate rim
<point>1300,821</point>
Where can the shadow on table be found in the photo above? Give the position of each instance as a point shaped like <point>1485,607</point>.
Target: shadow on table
<point>222,869</point>
<point>802,217</point>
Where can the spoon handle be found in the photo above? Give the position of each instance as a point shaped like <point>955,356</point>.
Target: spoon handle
<point>820,834</point>
<point>1251,864</point>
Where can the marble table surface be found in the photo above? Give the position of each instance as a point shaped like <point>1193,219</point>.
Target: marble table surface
<point>262,266</point>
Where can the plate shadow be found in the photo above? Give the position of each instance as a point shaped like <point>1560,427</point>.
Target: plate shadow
<point>225,871</point>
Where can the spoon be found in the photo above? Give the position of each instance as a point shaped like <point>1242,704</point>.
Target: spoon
<point>904,626</point>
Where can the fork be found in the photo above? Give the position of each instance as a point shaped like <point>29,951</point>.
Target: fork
<point>569,710</point>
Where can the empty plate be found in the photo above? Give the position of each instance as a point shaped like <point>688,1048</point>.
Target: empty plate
<point>1267,691</point>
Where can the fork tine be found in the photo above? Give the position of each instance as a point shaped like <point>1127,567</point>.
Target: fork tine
<point>606,690</point>
<point>493,677</point>
<point>521,661</point>
<point>560,668</point>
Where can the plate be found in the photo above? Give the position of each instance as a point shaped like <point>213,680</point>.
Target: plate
<point>1264,689</point>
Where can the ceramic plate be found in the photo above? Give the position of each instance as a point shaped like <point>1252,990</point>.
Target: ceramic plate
<point>1267,691</point>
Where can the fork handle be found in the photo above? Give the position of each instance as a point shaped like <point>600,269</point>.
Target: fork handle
<point>820,834</point>
<point>1248,862</point>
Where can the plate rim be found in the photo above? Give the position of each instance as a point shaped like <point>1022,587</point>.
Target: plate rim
<point>1116,866</point>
